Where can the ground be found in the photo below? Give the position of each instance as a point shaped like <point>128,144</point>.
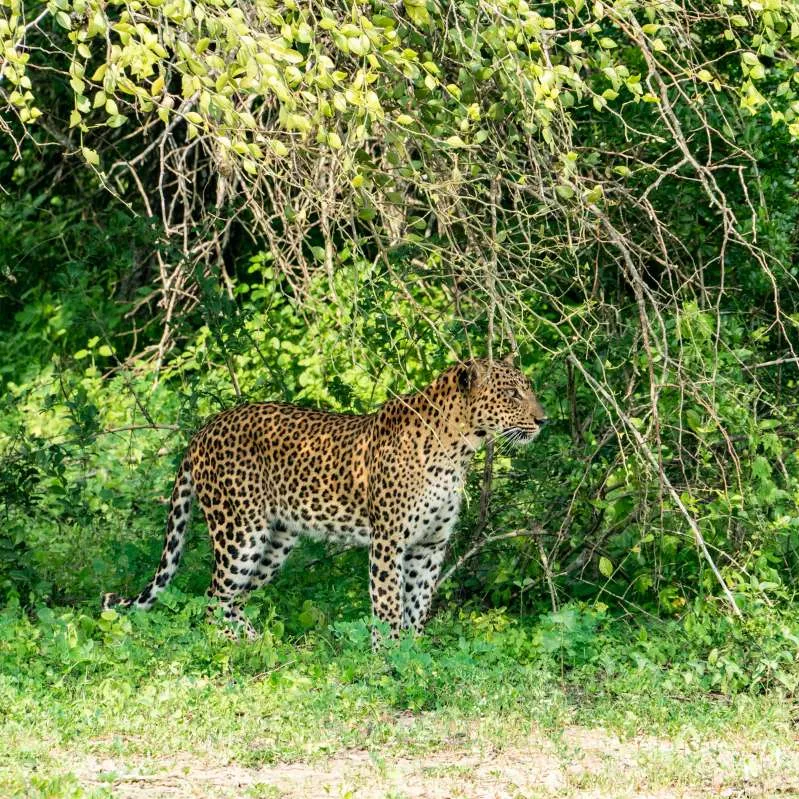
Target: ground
<point>459,758</point>
<point>576,762</point>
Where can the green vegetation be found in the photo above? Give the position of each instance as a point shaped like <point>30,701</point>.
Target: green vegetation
<point>150,690</point>
<point>211,202</point>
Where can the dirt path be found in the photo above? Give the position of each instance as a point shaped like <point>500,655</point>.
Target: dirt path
<point>579,763</point>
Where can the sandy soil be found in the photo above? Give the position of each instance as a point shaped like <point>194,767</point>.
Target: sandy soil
<point>579,763</point>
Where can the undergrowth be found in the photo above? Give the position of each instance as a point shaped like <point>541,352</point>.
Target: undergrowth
<point>75,682</point>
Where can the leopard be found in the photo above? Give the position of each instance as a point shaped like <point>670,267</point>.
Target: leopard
<point>266,474</point>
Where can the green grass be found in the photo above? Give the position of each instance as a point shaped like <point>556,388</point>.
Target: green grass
<point>87,700</point>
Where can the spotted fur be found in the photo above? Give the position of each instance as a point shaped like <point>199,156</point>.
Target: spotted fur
<point>265,474</point>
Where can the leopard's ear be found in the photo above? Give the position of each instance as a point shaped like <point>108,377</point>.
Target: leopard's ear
<point>469,375</point>
<point>510,359</point>
<point>465,377</point>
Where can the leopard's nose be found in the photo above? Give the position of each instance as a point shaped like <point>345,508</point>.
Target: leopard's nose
<point>542,422</point>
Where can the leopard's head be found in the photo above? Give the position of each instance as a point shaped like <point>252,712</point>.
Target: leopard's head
<point>501,401</point>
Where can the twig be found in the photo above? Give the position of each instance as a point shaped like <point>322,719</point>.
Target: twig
<point>479,546</point>
<point>777,362</point>
<point>130,427</point>
<point>547,573</point>
<point>485,489</point>
<point>655,463</point>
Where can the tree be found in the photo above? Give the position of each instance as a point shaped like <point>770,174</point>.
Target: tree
<point>587,182</point>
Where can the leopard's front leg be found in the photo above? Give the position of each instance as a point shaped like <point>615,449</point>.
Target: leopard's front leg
<point>421,568</point>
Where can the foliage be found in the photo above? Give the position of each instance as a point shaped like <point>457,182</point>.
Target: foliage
<point>213,202</point>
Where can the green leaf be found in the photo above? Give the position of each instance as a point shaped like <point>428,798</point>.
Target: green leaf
<point>595,194</point>
<point>605,567</point>
<point>693,419</point>
<point>304,33</point>
<point>278,148</point>
<point>359,44</point>
<point>417,13</point>
<point>91,158</point>
<point>761,468</point>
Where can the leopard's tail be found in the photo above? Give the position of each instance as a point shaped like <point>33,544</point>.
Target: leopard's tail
<point>174,540</point>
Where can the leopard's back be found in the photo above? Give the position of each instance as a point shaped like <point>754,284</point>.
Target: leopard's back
<point>303,467</point>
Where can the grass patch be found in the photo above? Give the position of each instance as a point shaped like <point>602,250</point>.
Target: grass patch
<point>79,690</point>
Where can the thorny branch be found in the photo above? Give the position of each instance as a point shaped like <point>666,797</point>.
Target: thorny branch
<point>495,228</point>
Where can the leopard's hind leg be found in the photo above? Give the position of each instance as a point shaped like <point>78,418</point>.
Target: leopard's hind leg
<point>247,554</point>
